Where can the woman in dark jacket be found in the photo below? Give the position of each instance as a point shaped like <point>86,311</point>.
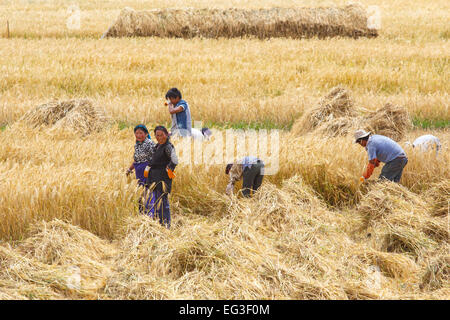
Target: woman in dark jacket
<point>162,165</point>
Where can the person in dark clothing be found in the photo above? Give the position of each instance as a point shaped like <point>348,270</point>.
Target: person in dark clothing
<point>159,182</point>
<point>251,170</point>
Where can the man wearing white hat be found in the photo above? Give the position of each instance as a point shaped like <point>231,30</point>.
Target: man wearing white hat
<point>382,149</point>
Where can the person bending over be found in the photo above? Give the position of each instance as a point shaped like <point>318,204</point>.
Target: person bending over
<point>250,169</point>
<point>382,149</point>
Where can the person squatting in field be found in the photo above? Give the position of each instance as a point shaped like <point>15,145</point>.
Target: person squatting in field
<point>159,181</point>
<point>251,169</point>
<point>143,152</point>
<point>382,149</point>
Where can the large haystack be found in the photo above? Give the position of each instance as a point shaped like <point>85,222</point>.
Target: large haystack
<point>78,115</point>
<point>348,21</point>
<point>391,120</point>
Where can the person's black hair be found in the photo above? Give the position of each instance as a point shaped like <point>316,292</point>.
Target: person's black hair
<point>141,127</point>
<point>228,168</point>
<point>161,128</point>
<point>173,93</point>
<point>365,138</point>
<point>206,132</point>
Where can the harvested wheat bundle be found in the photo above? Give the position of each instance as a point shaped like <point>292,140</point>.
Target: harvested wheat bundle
<point>49,113</point>
<point>336,115</point>
<point>358,292</point>
<point>385,198</point>
<point>341,126</point>
<point>273,209</point>
<point>439,194</point>
<point>301,193</point>
<point>59,243</point>
<point>393,265</point>
<point>348,21</point>
<point>391,120</point>
<point>399,221</point>
<point>84,118</point>
<point>337,105</point>
<point>32,279</point>
<point>78,114</point>
<point>136,285</point>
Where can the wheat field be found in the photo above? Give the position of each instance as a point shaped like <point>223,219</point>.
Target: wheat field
<point>311,232</point>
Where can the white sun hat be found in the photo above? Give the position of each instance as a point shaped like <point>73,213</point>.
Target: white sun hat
<point>361,134</point>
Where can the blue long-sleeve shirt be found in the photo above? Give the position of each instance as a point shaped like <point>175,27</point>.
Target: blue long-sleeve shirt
<point>383,148</point>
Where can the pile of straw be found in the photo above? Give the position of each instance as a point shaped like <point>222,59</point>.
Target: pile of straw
<point>394,265</point>
<point>437,274</point>
<point>77,115</point>
<point>440,196</point>
<point>282,243</point>
<point>336,107</point>
<point>348,21</point>
<point>60,243</point>
<point>399,221</point>
<point>338,127</point>
<point>391,120</point>
<point>49,113</point>
<point>336,115</point>
<point>57,261</point>
<point>23,277</point>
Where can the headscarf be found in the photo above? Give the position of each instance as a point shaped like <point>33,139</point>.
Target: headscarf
<point>143,128</point>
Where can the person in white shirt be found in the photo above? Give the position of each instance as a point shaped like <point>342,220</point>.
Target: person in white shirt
<point>425,142</point>
<point>203,134</point>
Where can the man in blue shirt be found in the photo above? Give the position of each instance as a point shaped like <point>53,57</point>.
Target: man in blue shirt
<point>382,149</point>
<point>181,115</point>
